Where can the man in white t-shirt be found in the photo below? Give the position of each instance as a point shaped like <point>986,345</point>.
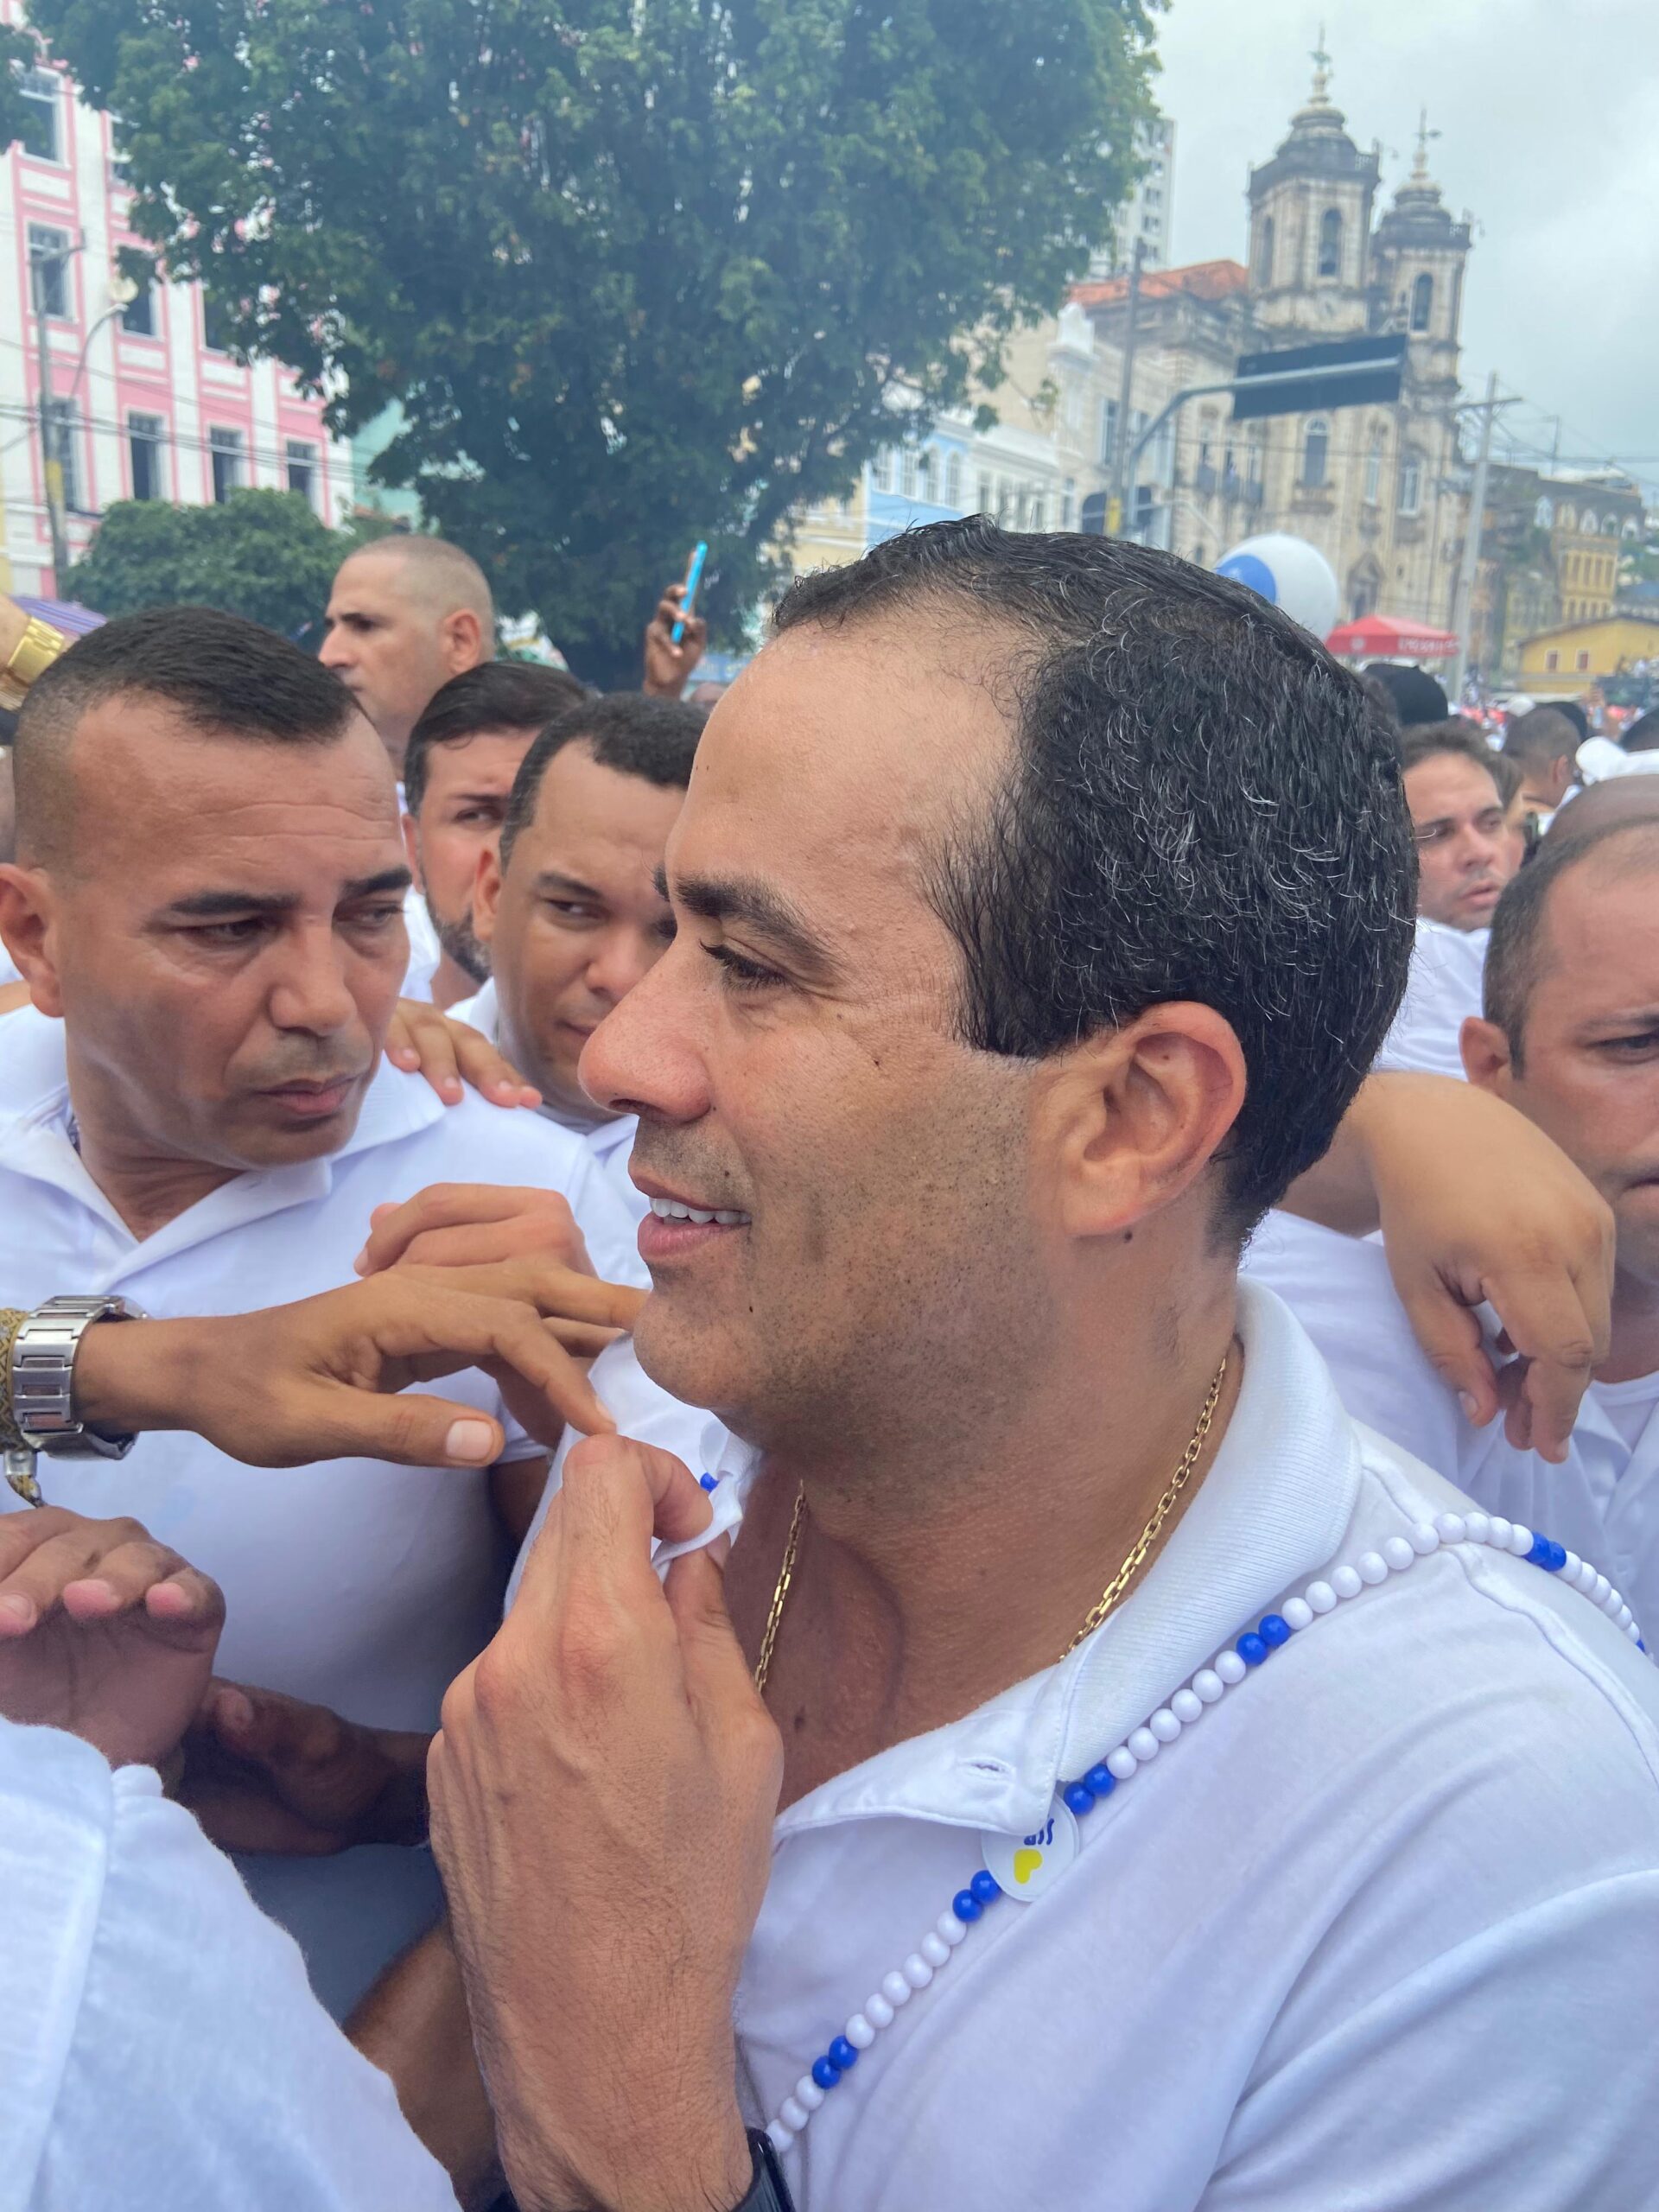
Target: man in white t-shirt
<point>1464,857</point>
<point>570,911</point>
<point>1571,1036</point>
<point>195,1116</point>
<point>951,1114</point>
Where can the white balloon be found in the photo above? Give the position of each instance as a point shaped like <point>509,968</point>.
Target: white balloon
<point>1289,573</point>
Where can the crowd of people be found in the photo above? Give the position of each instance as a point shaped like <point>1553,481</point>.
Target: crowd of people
<point>896,1446</point>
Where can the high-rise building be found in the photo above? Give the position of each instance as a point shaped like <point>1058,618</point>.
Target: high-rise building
<point>144,400</point>
<point>1144,217</point>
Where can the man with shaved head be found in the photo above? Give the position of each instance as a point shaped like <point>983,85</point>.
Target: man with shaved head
<point>1544,746</point>
<point>405,614</point>
<point>207,906</point>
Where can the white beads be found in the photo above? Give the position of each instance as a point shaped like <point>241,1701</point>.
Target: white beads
<point>1230,1668</point>
<point>1571,1571</point>
<point>1298,1613</point>
<point>782,2137</point>
<point>1373,1568</point>
<point>1477,1528</point>
<point>1452,1526</point>
<point>954,1931</point>
<point>1499,1531</point>
<point>1398,1555</point>
<point>1122,1763</point>
<point>1520,1539</point>
<point>793,2113</point>
<point>1321,1596</point>
<point>895,1988</point>
<point>935,1950</point>
<point>1144,1745</point>
<point>1186,1707</point>
<point>1345,1582</point>
<point>1424,1538</point>
<point>1208,1686</point>
<point>916,1971</point>
<point>858,2030</point>
<point>808,2094</point>
<point>877,2009</point>
<point>1164,1725</point>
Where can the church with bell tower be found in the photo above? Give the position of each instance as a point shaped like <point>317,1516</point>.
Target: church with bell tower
<point>1381,490</point>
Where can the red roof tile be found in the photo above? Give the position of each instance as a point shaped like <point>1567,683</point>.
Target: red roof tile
<point>1200,280</point>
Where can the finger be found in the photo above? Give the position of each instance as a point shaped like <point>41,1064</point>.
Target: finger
<point>120,1579</point>
<point>1449,1332</point>
<point>481,1244</point>
<point>23,1533</point>
<point>488,1069</point>
<point>393,1228</point>
<point>618,1493</point>
<point>556,1292</point>
<point>187,1601</point>
<point>717,1675</point>
<point>1544,1315</point>
<point>425,1046</point>
<point>33,1589</point>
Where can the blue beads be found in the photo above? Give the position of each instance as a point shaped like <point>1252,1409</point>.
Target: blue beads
<point>1274,1630</point>
<point>708,1482</point>
<point>966,1906</point>
<point>1100,1780</point>
<point>1539,1555</point>
<point>985,1886</point>
<point>1079,1797</point>
<point>1251,1648</point>
<point>825,2073</point>
<point>842,2054</point>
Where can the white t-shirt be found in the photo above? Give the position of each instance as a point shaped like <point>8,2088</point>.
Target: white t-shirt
<point>353,1583</point>
<point>1442,990</point>
<point>9,968</point>
<point>1602,1503</point>
<point>1380,1929</point>
<point>158,2044</point>
<point>610,1143</point>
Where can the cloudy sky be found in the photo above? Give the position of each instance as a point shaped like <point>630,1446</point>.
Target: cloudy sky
<point>1549,115</point>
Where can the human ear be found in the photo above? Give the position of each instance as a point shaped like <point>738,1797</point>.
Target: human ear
<point>486,894</point>
<point>463,636</point>
<point>25,916</point>
<point>1487,1060</point>
<point>1131,1118</point>
<point>412,850</point>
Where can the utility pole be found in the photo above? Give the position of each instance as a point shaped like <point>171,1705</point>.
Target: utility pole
<point>1462,605</point>
<point>51,460</point>
<point>1126,384</point>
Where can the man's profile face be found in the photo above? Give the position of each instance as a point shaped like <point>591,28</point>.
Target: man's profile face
<point>1464,856</point>
<point>462,808</point>
<point>1591,1046</point>
<point>794,1060</point>
<point>388,643</point>
<point>224,935</point>
<point>576,920</point>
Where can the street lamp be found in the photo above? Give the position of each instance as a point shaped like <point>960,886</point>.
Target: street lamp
<point>122,291</point>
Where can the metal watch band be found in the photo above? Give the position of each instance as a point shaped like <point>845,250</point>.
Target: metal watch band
<point>34,653</point>
<point>43,1375</point>
<point>768,2191</point>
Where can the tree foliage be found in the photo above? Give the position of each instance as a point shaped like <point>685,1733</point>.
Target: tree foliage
<point>18,52</point>
<point>640,271</point>
<point>262,554</point>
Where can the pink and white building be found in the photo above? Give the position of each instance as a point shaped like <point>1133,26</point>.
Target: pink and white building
<point>146,405</point>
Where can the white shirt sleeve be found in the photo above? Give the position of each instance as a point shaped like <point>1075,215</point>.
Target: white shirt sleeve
<point>159,2044</point>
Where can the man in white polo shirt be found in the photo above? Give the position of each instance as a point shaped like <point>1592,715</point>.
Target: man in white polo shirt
<point>1102,1775</point>
<point>208,909</point>
<point>570,909</point>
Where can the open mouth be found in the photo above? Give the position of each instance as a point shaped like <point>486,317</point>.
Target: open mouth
<point>673,1210</point>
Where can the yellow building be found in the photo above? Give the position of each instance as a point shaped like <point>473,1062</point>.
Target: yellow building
<point>1560,663</point>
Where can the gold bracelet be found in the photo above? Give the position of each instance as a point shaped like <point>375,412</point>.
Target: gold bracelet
<point>34,653</point>
<point>11,1437</point>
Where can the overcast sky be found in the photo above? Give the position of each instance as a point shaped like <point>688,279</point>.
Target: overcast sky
<point>1549,112</point>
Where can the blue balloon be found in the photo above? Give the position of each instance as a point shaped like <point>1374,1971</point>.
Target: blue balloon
<point>1245,568</point>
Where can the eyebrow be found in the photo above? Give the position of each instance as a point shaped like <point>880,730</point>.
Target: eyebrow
<point>213,906</point>
<point>741,898</point>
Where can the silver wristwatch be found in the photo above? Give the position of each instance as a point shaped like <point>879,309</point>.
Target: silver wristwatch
<point>43,1375</point>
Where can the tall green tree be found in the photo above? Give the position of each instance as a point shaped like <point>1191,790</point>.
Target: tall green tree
<point>640,271</point>
<point>262,554</point>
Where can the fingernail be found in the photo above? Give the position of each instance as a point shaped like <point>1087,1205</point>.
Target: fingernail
<point>1469,1403</point>
<point>361,1260</point>
<point>469,1441</point>
<point>17,1609</point>
<point>234,1711</point>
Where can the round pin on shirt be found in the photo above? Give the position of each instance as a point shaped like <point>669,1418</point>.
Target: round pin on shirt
<point>1025,1865</point>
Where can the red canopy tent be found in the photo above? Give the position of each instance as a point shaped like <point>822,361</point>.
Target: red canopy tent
<point>1384,637</point>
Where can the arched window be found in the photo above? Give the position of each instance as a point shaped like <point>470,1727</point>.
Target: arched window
<point>1264,251</point>
<point>1316,448</point>
<point>1331,242</point>
<point>1422,301</point>
<point>1567,517</point>
<point>1411,484</point>
<point>909,476</point>
<point>1591,523</point>
<point>953,480</point>
<point>1374,473</point>
<point>924,468</point>
<point>1543,515</point>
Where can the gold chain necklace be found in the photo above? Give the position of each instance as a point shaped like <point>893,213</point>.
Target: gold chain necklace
<point>1108,1597</point>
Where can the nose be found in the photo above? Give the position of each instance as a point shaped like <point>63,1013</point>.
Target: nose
<point>647,1056</point>
<point>310,990</point>
<point>333,651</point>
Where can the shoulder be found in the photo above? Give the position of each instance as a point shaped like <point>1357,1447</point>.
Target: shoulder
<point>476,1142</point>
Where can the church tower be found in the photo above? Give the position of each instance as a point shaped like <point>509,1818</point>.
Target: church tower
<point>1311,223</point>
<point>1418,257</point>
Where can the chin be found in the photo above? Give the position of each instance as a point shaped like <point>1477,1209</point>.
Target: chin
<point>692,1360</point>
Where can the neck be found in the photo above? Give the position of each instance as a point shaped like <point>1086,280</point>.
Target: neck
<point>914,1601</point>
<point>147,1185</point>
<point>565,1102</point>
<point>450,984</point>
<point>1634,1344</point>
